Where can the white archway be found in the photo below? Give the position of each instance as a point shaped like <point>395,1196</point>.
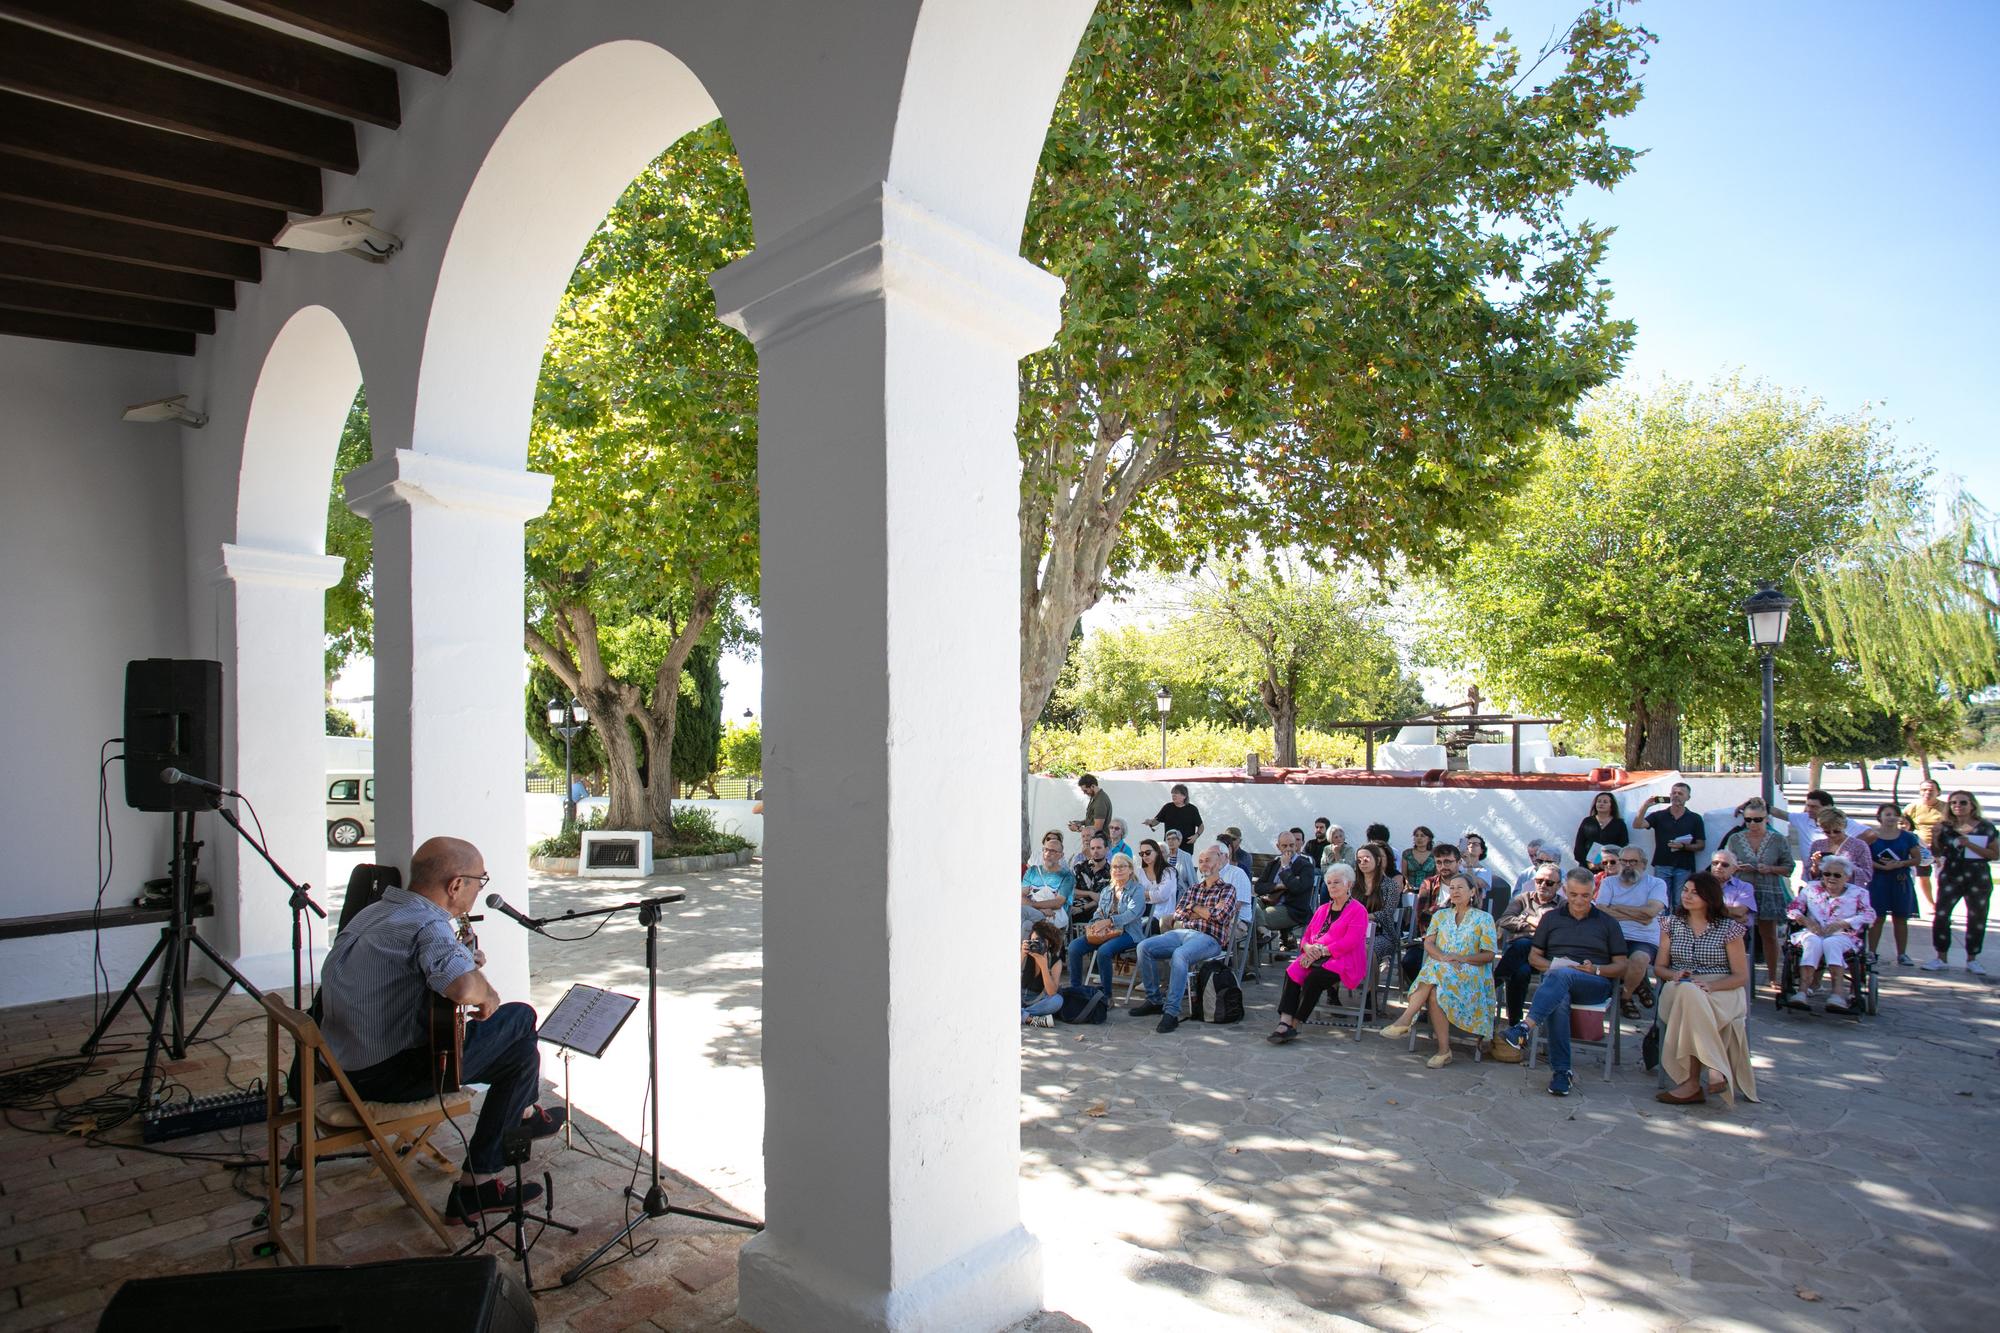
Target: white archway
<point>269,587</point>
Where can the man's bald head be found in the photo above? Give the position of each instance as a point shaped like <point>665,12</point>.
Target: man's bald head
<point>439,861</point>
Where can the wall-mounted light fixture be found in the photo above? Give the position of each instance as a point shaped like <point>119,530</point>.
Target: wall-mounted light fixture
<point>174,408</point>
<point>353,232</point>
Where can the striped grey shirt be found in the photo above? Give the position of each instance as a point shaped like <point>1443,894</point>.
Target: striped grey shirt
<point>373,987</point>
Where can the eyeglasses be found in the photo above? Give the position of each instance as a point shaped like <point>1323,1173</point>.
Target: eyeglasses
<point>481,880</point>
<point>1546,883</point>
<point>1627,861</point>
<point>1833,874</point>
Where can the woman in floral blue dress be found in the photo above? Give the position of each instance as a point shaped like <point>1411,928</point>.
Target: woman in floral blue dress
<point>1455,984</point>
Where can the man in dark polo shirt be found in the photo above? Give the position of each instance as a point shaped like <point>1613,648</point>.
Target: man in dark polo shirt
<point>1582,951</point>
<point>1679,835</point>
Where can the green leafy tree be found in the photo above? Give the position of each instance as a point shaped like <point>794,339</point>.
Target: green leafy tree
<point>586,754</point>
<point>742,749</point>
<point>646,417</point>
<point>1610,591</point>
<point>1303,643</point>
<point>340,722</point>
<point>698,717</point>
<point>1322,290</point>
<point>350,607</point>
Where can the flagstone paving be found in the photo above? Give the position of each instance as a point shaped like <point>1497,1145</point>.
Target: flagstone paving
<point>1199,1180</point>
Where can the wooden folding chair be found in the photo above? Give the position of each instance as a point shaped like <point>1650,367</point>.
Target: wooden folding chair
<point>331,1117</point>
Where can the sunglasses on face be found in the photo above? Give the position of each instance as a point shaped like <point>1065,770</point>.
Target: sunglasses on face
<point>1753,819</point>
<point>1833,874</point>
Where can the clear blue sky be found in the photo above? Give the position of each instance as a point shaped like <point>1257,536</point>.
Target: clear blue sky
<point>1819,204</point>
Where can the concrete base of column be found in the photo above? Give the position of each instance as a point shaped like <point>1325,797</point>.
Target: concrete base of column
<point>994,1286</point>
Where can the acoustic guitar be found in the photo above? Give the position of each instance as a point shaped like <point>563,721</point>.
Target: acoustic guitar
<point>444,1026</point>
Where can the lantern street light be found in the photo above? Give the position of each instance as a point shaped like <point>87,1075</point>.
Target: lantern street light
<point>1770,614</point>
<point>1164,701</point>
<point>567,720</point>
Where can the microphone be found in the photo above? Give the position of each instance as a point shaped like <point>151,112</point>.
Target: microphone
<point>173,777</point>
<point>507,909</point>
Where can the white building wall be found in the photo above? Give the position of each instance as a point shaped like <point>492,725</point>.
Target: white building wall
<point>90,543</point>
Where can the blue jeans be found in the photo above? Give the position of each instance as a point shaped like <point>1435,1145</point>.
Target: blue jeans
<point>1513,972</point>
<point>1187,950</point>
<point>1034,1006</point>
<point>1106,951</point>
<point>499,1052</point>
<point>1674,877</point>
<point>1550,1008</point>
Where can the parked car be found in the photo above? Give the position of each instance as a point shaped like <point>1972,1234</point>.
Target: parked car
<point>350,809</point>
<point>1983,766</point>
<point>1890,764</point>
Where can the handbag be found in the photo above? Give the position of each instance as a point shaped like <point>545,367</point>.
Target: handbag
<point>1101,932</point>
<point>1649,1049</point>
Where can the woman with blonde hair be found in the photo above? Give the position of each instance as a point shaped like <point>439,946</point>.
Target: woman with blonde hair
<point>1455,985</point>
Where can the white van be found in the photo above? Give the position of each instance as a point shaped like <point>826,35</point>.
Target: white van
<point>350,808</point>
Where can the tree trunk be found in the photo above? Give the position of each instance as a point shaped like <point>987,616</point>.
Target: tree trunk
<point>1813,771</point>
<point>627,809</point>
<point>1283,710</point>
<point>1924,761</point>
<point>1653,733</point>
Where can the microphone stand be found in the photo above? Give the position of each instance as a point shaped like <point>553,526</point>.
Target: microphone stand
<point>653,1203</point>
<point>301,901</point>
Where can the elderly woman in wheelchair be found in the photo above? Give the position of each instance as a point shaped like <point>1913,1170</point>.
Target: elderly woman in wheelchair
<point>1829,917</point>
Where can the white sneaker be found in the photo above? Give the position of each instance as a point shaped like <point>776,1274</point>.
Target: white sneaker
<point>1972,966</point>
<point>1934,965</point>
<point>1045,1020</point>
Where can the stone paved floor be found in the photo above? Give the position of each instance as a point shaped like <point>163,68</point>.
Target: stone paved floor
<point>1206,1180</point>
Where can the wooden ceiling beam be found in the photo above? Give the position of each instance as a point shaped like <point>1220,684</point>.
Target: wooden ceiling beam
<point>78,191</point>
<point>77,234</point>
<point>101,333</point>
<point>113,278</point>
<point>69,137</point>
<point>222,46</point>
<point>78,74</point>
<point>406,31</point>
<point>18,295</point>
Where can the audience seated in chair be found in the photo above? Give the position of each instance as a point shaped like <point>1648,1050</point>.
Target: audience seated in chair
<point>1583,957</point>
<point>1121,907</point>
<point>1704,971</point>
<point>1332,952</point>
<point>1202,926</point>
<point>1635,900</point>
<point>1455,986</point>
<point>1827,918</point>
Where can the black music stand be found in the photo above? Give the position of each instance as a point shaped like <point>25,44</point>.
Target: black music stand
<point>583,1023</point>
<point>653,1202</point>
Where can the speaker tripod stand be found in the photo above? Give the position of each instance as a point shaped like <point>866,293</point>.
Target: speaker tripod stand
<point>653,1203</point>
<point>169,1027</point>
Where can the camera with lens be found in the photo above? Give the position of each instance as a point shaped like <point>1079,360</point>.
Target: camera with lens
<point>1038,945</point>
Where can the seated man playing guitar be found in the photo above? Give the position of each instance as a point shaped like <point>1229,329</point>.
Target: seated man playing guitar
<point>374,993</point>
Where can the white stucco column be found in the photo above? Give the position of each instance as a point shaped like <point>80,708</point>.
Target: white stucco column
<point>449,737</point>
<point>272,618</point>
<point>887,340</point>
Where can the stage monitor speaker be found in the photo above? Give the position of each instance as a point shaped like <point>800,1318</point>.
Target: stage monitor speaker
<point>472,1294</point>
<point>173,719</point>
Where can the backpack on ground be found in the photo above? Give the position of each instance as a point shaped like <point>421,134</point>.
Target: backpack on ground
<point>1081,1004</point>
<point>1215,994</point>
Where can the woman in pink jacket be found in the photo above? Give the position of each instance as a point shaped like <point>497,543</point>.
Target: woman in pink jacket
<point>1828,917</point>
<point>1333,949</point>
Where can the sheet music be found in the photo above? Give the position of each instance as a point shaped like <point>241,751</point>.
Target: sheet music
<point>587,1019</point>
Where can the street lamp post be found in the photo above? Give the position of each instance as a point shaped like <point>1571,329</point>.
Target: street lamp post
<point>1164,701</point>
<point>1770,614</point>
<point>568,719</point>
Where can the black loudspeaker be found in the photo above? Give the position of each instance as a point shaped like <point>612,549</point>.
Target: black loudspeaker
<point>173,719</point>
<point>472,1294</point>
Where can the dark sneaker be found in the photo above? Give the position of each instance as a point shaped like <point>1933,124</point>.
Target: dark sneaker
<point>1146,1010</point>
<point>470,1202</point>
<point>540,1122</point>
<point>1559,1083</point>
<point>1168,1022</point>
<point>1516,1035</point>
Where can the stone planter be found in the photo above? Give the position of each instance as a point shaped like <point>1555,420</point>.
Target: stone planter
<point>673,865</point>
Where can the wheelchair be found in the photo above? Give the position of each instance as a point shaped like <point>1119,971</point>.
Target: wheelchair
<point>1863,986</point>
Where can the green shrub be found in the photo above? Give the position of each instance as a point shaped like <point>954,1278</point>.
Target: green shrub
<point>694,834</point>
<point>1196,745</point>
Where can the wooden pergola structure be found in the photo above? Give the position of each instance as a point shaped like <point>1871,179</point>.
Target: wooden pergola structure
<point>1467,715</point>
